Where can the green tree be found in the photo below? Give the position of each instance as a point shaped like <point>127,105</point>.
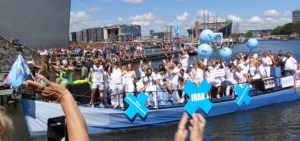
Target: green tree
<point>297,27</point>
<point>249,34</point>
<point>278,30</point>
<point>288,29</point>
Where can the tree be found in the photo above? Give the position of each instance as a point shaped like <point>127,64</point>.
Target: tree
<point>249,34</point>
<point>297,27</point>
<point>288,29</point>
<point>278,30</point>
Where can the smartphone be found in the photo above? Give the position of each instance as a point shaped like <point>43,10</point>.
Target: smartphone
<point>57,129</point>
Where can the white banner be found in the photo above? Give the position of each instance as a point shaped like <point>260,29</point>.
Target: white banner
<point>217,73</point>
<point>287,81</point>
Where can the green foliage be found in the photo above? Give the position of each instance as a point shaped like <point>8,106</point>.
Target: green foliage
<point>249,34</point>
<point>287,29</point>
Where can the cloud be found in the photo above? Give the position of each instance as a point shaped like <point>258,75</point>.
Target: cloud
<point>78,17</point>
<point>95,9</point>
<point>234,18</point>
<point>143,20</point>
<point>206,12</point>
<point>159,21</point>
<point>120,19</point>
<point>271,13</point>
<point>134,1</point>
<point>183,17</point>
<point>255,20</point>
<point>80,20</point>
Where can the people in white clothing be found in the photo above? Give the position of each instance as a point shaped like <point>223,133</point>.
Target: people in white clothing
<point>150,86</point>
<point>290,64</point>
<point>267,61</point>
<point>97,76</point>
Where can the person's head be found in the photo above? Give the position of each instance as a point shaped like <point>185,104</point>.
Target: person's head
<point>149,71</point>
<point>182,72</point>
<point>96,62</point>
<point>161,67</point>
<point>179,65</point>
<point>57,62</point>
<point>6,126</point>
<point>288,54</point>
<point>129,67</point>
<point>200,64</point>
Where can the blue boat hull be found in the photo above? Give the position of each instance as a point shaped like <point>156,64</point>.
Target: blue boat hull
<point>98,120</point>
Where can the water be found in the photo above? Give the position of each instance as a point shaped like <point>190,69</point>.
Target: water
<point>276,122</point>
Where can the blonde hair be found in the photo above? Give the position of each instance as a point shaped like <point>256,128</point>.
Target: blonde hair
<point>6,126</point>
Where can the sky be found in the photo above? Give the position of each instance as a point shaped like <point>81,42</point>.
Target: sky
<point>156,14</point>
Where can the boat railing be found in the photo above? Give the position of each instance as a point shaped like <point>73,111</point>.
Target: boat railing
<point>170,95</point>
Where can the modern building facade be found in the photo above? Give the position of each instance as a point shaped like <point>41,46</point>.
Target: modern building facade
<point>109,33</point>
<point>36,23</point>
<point>224,27</point>
<point>296,15</point>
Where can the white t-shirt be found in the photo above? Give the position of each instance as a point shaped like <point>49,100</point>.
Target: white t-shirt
<point>185,60</point>
<point>240,77</point>
<point>197,75</point>
<point>174,76</point>
<point>290,63</point>
<point>98,74</point>
<point>116,76</point>
<point>267,61</point>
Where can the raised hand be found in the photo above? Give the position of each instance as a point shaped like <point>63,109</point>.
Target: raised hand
<point>50,90</point>
<point>197,127</point>
<point>182,132</point>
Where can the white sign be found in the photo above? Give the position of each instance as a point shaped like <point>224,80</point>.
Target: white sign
<point>218,37</point>
<point>217,73</point>
<point>287,81</point>
<point>297,79</point>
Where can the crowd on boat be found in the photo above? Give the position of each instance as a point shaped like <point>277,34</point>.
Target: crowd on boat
<point>114,79</point>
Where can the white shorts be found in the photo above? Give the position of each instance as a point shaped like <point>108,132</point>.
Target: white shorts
<point>129,88</point>
<point>99,86</point>
<point>116,89</point>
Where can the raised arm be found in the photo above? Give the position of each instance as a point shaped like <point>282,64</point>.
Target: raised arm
<point>77,129</point>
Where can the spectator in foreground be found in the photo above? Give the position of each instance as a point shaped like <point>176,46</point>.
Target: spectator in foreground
<point>76,126</point>
<point>196,128</point>
<point>6,126</point>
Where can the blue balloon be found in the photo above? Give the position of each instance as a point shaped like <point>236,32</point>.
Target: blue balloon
<point>225,53</point>
<point>252,44</point>
<point>204,51</point>
<point>207,36</point>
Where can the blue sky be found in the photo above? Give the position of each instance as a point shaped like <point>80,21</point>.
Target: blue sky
<point>156,14</point>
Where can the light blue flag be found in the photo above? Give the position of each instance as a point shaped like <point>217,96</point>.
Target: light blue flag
<point>176,28</point>
<point>18,72</point>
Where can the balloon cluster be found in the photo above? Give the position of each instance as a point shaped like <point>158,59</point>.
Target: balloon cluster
<point>205,50</point>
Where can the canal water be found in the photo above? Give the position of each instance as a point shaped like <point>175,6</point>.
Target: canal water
<point>275,122</point>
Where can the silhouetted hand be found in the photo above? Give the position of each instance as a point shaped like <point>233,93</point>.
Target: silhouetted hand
<point>182,132</point>
<point>50,90</point>
<point>197,127</point>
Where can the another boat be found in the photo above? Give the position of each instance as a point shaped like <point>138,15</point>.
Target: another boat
<point>98,120</point>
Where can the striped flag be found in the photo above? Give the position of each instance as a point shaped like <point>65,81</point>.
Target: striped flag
<point>18,72</point>
<point>176,28</point>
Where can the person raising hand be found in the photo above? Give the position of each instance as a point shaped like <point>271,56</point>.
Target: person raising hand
<point>76,127</point>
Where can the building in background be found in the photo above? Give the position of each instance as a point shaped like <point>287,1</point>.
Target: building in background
<point>109,33</point>
<point>224,26</point>
<point>262,33</point>
<point>296,15</point>
<point>36,23</point>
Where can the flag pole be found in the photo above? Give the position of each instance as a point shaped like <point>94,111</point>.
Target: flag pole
<point>33,77</point>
